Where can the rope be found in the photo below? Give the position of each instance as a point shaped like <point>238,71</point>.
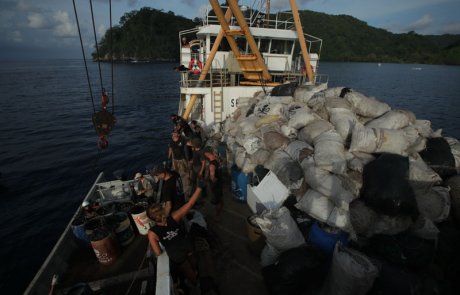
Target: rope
<point>111,56</point>
<point>84,56</point>
<point>97,46</point>
<point>138,269</point>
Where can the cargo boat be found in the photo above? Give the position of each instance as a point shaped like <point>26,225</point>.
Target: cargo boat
<point>260,53</point>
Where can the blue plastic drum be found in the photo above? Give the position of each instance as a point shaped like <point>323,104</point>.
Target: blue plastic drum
<point>240,180</point>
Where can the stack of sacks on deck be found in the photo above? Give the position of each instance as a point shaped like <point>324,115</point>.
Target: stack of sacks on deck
<point>318,143</point>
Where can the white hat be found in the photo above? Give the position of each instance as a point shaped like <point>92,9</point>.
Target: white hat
<point>85,203</point>
<point>138,175</point>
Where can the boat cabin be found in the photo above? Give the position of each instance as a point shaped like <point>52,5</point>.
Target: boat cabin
<point>241,72</point>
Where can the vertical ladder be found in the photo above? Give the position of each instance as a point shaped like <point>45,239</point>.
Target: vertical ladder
<point>217,106</point>
<point>252,65</point>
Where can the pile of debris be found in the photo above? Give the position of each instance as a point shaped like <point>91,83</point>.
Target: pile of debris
<point>378,180</point>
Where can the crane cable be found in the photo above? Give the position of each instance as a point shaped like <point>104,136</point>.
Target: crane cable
<point>97,46</point>
<point>103,121</point>
<point>111,57</point>
<point>84,56</point>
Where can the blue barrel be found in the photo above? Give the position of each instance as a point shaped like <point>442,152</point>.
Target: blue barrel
<point>78,230</point>
<point>325,241</point>
<point>240,180</point>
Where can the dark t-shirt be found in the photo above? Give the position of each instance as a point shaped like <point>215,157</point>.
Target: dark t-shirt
<point>178,149</point>
<point>197,158</point>
<point>172,191</point>
<point>174,239</point>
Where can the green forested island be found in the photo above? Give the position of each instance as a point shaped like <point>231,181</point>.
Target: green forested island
<point>150,34</point>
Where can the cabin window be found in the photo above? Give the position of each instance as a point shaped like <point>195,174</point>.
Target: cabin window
<point>264,45</point>
<point>281,46</point>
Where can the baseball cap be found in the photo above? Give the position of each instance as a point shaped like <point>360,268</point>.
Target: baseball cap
<point>138,175</point>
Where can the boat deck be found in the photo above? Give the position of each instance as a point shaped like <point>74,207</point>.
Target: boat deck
<point>236,257</point>
<point>231,259</point>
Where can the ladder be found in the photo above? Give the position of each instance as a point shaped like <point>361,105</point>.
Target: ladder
<point>252,65</point>
<point>217,106</point>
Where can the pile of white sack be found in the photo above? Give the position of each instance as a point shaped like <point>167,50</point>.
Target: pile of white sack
<point>317,143</point>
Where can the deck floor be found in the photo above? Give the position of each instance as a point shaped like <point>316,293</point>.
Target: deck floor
<point>236,259</point>
<point>231,259</point>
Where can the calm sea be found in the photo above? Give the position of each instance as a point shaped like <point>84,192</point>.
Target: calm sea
<point>48,153</point>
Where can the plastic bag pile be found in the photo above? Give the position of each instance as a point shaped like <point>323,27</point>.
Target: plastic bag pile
<point>353,164</point>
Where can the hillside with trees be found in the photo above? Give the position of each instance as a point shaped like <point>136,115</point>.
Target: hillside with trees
<point>151,34</point>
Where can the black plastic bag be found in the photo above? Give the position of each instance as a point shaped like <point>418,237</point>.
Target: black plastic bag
<point>386,188</point>
<point>299,269</point>
<point>438,156</point>
<point>284,89</point>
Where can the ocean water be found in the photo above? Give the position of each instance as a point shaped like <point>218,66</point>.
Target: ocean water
<point>48,152</point>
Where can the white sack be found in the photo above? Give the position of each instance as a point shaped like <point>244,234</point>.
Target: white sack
<point>286,169</point>
<point>424,228</point>
<point>248,125</point>
<point>252,144</point>
<point>269,255</point>
<point>416,142</point>
<point>280,229</point>
<point>351,273</point>
<point>340,218</point>
<point>274,140</point>
<point>264,108</point>
<point>423,127</point>
<point>372,140</point>
<point>367,222</point>
<point>329,152</point>
<point>299,118</point>
<point>267,120</point>
<point>352,181</point>
<point>366,106</point>
<point>357,160</point>
<point>289,132</point>
<point>316,205</point>
<point>279,99</point>
<point>326,183</point>
<point>455,149</point>
<point>421,176</point>
<point>313,130</point>
<point>299,150</point>
<point>336,103</point>
<point>434,204</point>
<point>394,119</point>
<point>260,156</point>
<point>344,121</point>
<point>304,93</point>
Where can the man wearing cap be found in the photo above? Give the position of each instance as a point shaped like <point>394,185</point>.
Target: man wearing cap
<point>197,162</point>
<point>144,186</point>
<point>214,180</point>
<point>178,153</point>
<point>172,195</point>
<point>181,125</point>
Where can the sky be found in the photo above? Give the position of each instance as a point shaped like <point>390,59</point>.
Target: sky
<point>31,29</point>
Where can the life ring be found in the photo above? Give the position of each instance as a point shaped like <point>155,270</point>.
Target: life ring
<point>303,70</point>
<point>195,66</point>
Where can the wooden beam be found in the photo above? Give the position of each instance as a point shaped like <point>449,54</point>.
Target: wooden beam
<point>303,45</point>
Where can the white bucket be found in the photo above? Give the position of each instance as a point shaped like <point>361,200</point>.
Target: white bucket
<point>141,219</point>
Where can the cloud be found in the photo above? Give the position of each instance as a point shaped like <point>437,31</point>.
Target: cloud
<point>451,28</point>
<point>64,27</point>
<point>15,36</point>
<point>36,21</point>
<point>101,31</point>
<point>420,24</point>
